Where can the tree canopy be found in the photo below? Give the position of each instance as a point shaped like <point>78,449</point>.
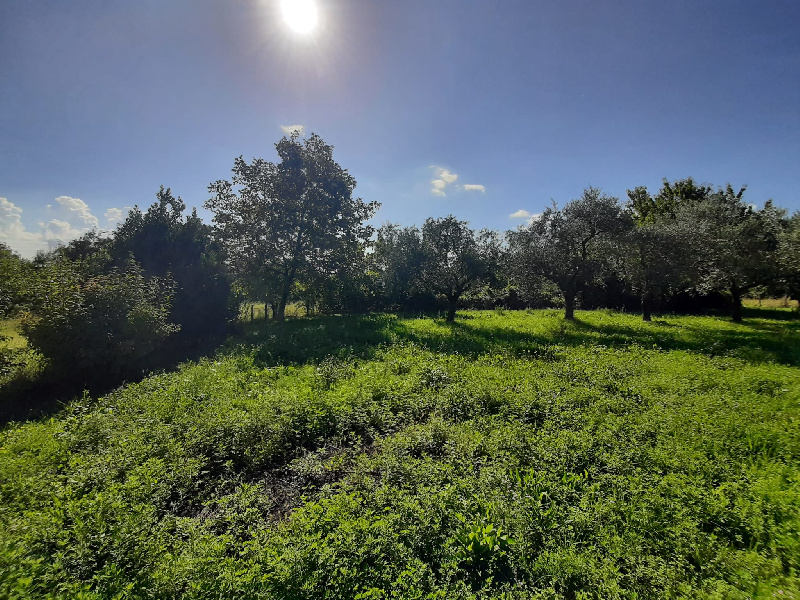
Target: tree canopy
<point>285,222</point>
<point>456,258</point>
<point>565,245</point>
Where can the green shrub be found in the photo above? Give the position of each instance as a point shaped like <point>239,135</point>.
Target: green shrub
<point>100,328</point>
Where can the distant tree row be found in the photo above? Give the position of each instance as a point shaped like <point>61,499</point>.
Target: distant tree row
<point>292,231</point>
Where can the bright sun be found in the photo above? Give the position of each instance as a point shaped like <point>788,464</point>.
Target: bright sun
<point>301,15</point>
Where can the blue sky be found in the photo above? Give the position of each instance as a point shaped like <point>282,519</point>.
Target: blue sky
<point>506,105</point>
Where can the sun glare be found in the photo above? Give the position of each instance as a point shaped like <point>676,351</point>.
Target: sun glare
<point>300,15</point>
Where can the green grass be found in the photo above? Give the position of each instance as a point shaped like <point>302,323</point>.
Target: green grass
<point>510,454</point>
<point>782,303</point>
<point>19,364</point>
<point>10,336</point>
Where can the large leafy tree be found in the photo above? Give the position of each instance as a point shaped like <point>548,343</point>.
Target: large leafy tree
<point>735,244</point>
<point>456,259</point>
<point>647,208</point>
<point>165,241</point>
<point>288,222</point>
<point>653,253</point>
<point>567,246</point>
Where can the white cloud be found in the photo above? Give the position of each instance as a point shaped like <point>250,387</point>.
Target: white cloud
<point>73,210</point>
<point>524,214</point>
<point>65,220</point>
<point>447,175</point>
<point>115,216</point>
<point>57,230</point>
<point>441,180</point>
<point>444,180</point>
<point>13,232</point>
<point>290,129</point>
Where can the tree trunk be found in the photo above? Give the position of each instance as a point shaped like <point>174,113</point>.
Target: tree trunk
<point>647,301</point>
<point>569,305</point>
<point>452,307</point>
<point>736,298</point>
<point>280,313</point>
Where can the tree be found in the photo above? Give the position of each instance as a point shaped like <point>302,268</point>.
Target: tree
<point>652,256</point>
<point>646,208</point>
<point>734,243</point>
<point>652,259</point>
<point>566,246</point>
<point>397,258</point>
<point>789,257</point>
<point>456,259</point>
<point>288,222</point>
<point>166,242</point>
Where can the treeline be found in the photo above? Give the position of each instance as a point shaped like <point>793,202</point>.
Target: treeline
<point>291,231</point>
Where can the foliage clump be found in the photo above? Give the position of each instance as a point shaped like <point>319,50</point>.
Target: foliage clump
<point>100,328</point>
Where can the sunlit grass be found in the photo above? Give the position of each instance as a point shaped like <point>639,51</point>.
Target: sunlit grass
<point>10,336</point>
<point>785,303</point>
<point>509,453</point>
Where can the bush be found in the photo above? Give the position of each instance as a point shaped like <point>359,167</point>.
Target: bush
<point>101,328</point>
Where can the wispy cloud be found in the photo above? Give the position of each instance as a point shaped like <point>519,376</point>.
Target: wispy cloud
<point>290,129</point>
<point>446,175</point>
<point>475,187</point>
<point>441,179</point>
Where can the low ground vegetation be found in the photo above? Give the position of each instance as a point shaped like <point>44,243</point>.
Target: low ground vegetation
<point>508,454</point>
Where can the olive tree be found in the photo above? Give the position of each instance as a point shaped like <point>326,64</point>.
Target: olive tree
<point>652,252</point>
<point>567,246</point>
<point>456,259</point>
<point>789,257</point>
<point>735,244</point>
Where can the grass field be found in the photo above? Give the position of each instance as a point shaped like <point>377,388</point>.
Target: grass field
<point>509,455</point>
<point>770,303</point>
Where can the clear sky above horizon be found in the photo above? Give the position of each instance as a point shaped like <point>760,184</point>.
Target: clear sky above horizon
<point>480,109</point>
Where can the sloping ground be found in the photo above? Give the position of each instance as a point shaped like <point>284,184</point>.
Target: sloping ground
<point>508,455</point>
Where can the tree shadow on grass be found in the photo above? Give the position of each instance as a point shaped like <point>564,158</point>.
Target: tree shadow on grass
<point>311,340</point>
<point>29,398</point>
